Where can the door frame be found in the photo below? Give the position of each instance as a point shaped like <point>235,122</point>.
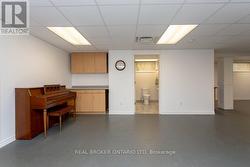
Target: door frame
<point>143,53</point>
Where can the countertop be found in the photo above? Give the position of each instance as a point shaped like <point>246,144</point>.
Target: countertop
<point>90,87</point>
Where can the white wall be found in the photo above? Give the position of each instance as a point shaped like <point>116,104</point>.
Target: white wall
<point>1,90</point>
<point>90,79</point>
<point>225,83</point>
<point>216,74</point>
<point>216,80</point>
<point>241,83</point>
<point>241,80</point>
<point>186,82</point>
<point>27,62</point>
<point>121,83</point>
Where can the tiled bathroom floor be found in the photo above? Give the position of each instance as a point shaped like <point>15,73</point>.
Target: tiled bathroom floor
<point>152,108</point>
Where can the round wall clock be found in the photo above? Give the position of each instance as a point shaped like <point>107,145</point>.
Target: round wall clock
<point>120,65</point>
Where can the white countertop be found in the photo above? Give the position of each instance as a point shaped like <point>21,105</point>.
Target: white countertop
<point>90,87</point>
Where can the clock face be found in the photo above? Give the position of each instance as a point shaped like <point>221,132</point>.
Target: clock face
<point>120,65</point>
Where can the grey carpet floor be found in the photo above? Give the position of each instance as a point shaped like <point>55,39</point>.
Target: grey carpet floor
<point>136,141</point>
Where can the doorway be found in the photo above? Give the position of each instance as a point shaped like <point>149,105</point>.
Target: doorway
<point>146,84</point>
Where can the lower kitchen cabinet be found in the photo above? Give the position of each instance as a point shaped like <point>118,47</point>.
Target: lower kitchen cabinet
<point>99,102</point>
<point>90,101</point>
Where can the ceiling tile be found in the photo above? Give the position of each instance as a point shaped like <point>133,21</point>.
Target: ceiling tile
<point>94,31</point>
<point>82,15</point>
<point>245,19</point>
<point>73,2</point>
<point>230,13</point>
<point>103,47</point>
<point>48,16</point>
<point>119,45</point>
<point>100,41</point>
<point>40,3</point>
<point>206,41</point>
<point>162,1</point>
<point>117,2</point>
<point>122,31</point>
<point>239,44</point>
<point>50,37</point>
<point>157,14</point>
<point>121,18</point>
<point>46,35</point>
<point>195,13</point>
<point>33,23</point>
<point>81,49</point>
<point>108,44</point>
<point>44,32</point>
<point>235,29</point>
<point>138,46</point>
<point>123,40</point>
<point>208,30</point>
<point>240,0</point>
<point>151,30</point>
<point>207,1</point>
<point>119,15</point>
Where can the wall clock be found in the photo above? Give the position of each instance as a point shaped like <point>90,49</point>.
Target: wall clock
<point>120,65</point>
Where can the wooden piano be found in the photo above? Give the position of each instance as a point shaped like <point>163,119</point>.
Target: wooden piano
<point>33,104</point>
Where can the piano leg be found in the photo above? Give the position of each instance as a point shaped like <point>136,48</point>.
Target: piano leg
<point>45,122</point>
<point>75,109</point>
<point>60,123</point>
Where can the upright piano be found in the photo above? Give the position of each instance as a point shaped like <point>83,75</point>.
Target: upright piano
<point>33,104</point>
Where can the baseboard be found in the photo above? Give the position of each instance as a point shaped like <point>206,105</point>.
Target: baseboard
<point>122,113</point>
<point>91,113</point>
<point>189,113</point>
<point>140,101</point>
<point>227,110</point>
<point>7,141</point>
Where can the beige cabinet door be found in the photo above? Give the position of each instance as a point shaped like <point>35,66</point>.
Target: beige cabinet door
<point>87,63</point>
<point>82,63</point>
<point>84,102</point>
<point>90,101</point>
<point>101,63</point>
<point>76,65</point>
<point>99,101</point>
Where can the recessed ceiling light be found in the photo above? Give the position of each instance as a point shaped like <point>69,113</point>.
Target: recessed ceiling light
<point>175,33</point>
<point>70,34</point>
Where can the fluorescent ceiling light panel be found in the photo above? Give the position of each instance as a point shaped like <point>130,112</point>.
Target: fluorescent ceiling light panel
<point>175,33</point>
<point>70,34</point>
<point>141,60</point>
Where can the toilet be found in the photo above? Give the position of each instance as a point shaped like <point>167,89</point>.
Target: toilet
<point>145,96</point>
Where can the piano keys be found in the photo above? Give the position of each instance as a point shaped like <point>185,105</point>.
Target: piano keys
<point>32,105</point>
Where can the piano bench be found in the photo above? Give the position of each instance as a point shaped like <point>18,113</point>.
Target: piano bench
<point>59,113</point>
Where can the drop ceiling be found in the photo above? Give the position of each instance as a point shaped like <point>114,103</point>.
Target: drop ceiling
<point>115,24</point>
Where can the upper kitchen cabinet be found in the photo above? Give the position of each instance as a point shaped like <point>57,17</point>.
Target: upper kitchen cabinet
<point>101,64</point>
<point>89,63</point>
